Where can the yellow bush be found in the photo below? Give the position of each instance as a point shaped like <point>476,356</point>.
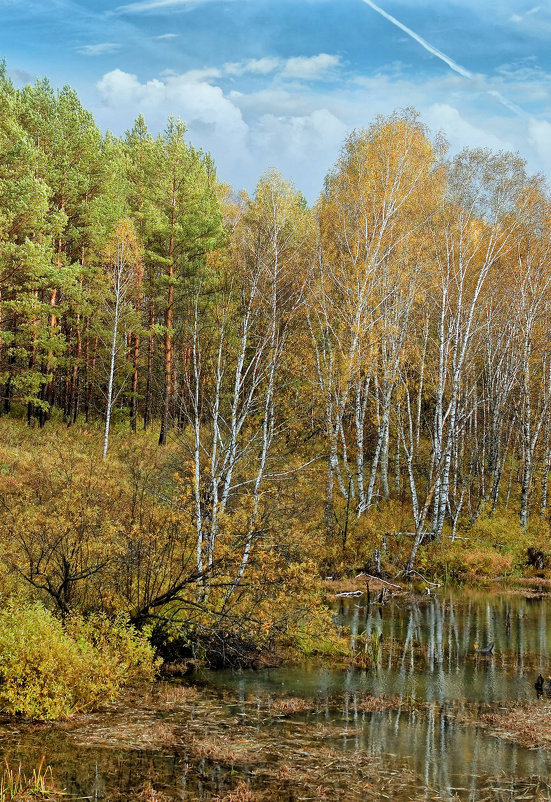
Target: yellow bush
<point>485,562</point>
<point>48,671</point>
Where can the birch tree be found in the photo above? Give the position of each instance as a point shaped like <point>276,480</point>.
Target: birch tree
<point>234,400</point>
<point>476,228</point>
<point>371,218</point>
<point>123,266</point>
<point>532,279</point>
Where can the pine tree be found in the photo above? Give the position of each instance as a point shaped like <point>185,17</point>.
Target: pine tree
<point>25,252</point>
<point>176,203</point>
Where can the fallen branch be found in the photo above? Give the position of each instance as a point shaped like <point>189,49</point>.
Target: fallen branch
<point>434,584</point>
<point>378,579</point>
<point>349,593</point>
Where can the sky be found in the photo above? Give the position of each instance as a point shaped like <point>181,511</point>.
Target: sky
<point>281,83</point>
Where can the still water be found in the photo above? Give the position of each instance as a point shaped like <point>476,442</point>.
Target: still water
<point>428,651</point>
<point>428,654</point>
<point>427,659</point>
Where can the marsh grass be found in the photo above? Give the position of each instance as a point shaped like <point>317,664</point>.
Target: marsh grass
<point>151,794</point>
<point>15,786</point>
<point>376,704</point>
<point>173,697</point>
<point>261,749</point>
<point>241,793</point>
<point>289,706</point>
<point>277,749</point>
<point>526,724</point>
<point>227,749</point>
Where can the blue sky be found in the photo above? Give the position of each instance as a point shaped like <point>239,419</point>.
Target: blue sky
<point>280,84</point>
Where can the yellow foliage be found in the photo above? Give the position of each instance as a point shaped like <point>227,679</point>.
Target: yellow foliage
<point>48,671</point>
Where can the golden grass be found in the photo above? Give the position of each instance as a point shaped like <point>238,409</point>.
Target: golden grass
<point>173,697</point>
<point>241,793</point>
<point>227,749</point>
<point>151,794</point>
<point>289,705</point>
<point>526,724</point>
<point>376,704</point>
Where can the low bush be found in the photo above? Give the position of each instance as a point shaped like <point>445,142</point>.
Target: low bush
<point>49,671</point>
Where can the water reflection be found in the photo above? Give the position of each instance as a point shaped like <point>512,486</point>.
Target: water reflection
<point>451,757</point>
<point>427,660</point>
<point>429,654</point>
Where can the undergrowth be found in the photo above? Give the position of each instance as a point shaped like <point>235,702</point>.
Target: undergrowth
<point>51,671</point>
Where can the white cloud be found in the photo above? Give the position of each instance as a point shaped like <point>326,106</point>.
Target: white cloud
<point>246,133</point>
<point>520,17</point>
<point>539,136</point>
<point>20,77</point>
<point>284,124</point>
<point>310,67</point>
<point>459,132</point>
<point>255,66</point>
<point>167,36</point>
<point>297,67</point>
<point>536,22</point>
<point>308,141</point>
<point>98,49</point>
<point>188,94</point>
<point>214,122</point>
<point>207,74</point>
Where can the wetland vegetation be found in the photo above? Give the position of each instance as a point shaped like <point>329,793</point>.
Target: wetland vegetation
<point>431,720</point>
<point>240,438</point>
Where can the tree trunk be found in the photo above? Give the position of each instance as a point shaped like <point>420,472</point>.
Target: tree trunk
<point>149,378</point>
<point>169,325</point>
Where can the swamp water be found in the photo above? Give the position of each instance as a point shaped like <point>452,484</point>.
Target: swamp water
<point>309,732</point>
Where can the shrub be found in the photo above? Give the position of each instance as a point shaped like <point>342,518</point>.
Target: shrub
<point>49,671</point>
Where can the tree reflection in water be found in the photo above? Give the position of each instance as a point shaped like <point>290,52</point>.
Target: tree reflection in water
<point>428,660</point>
<point>423,738</point>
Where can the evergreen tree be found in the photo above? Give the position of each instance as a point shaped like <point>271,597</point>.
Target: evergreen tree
<point>177,206</point>
<point>26,229</point>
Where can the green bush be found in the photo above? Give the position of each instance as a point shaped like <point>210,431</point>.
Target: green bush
<point>49,671</point>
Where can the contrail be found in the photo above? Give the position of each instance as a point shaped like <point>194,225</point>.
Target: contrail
<point>507,103</point>
<point>423,42</point>
<point>442,56</point>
